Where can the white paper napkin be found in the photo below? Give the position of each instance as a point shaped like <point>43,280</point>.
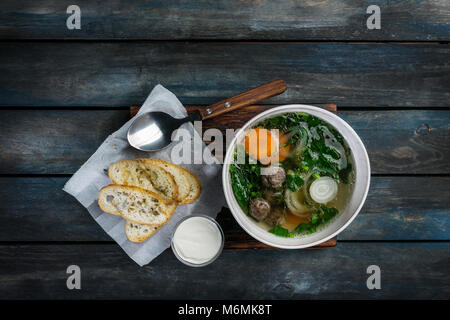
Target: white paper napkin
<point>91,177</point>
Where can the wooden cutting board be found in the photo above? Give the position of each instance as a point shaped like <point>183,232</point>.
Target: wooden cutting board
<point>235,120</point>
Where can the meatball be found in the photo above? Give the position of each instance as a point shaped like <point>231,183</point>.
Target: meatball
<point>259,208</point>
<point>276,216</point>
<point>273,177</point>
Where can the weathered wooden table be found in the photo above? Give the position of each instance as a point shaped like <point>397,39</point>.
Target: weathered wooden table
<point>63,91</point>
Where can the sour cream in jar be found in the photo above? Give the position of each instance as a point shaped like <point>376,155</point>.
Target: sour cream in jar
<point>197,240</point>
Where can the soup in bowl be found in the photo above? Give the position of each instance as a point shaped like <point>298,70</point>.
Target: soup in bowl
<point>295,176</point>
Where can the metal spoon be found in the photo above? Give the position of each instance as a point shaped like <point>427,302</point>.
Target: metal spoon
<point>152,131</point>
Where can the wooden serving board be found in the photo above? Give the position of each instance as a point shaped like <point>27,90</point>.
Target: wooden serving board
<point>235,120</point>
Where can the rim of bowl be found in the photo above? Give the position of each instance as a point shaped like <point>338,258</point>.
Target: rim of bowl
<point>191,264</point>
<point>229,195</point>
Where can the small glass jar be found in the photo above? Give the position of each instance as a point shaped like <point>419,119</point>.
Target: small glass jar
<point>189,263</point>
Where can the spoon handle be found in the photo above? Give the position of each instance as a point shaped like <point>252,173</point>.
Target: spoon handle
<point>243,99</point>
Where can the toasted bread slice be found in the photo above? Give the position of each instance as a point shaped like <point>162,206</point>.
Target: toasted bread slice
<point>139,173</point>
<point>135,204</point>
<point>139,232</point>
<point>196,187</point>
<point>179,174</point>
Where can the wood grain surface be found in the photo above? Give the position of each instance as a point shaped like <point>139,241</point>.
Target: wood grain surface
<point>63,91</point>
<point>409,271</point>
<point>115,74</point>
<point>397,208</point>
<point>227,19</point>
<point>60,141</point>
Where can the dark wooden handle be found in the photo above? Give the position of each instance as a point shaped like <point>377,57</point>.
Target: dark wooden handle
<point>243,99</point>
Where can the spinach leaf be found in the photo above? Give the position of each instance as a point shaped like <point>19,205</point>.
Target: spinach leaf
<point>312,121</point>
<point>294,181</point>
<point>283,122</point>
<point>322,157</point>
<point>314,218</point>
<point>239,183</point>
<point>310,133</point>
<point>246,182</point>
<point>282,232</point>
<point>322,215</point>
<point>308,227</point>
<point>327,213</point>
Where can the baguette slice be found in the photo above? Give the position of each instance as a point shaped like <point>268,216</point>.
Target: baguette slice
<point>135,205</point>
<point>139,232</point>
<point>196,187</point>
<point>179,174</point>
<point>139,173</point>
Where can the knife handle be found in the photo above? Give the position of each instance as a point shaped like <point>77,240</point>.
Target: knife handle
<point>243,99</point>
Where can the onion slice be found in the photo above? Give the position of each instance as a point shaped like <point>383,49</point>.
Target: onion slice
<point>294,202</point>
<point>323,190</point>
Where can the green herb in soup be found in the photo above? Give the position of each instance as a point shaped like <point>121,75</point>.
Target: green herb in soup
<point>297,186</point>
<point>320,216</point>
<point>282,232</point>
<point>245,181</point>
<point>294,180</point>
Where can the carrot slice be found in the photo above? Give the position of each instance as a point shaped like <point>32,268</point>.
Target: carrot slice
<point>284,150</point>
<point>262,145</point>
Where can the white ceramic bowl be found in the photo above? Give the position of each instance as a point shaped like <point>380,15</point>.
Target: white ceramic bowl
<point>342,220</point>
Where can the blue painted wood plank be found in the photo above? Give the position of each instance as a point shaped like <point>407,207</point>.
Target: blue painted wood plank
<point>397,208</point>
<point>123,73</point>
<point>408,271</point>
<point>60,141</point>
<point>227,19</point>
